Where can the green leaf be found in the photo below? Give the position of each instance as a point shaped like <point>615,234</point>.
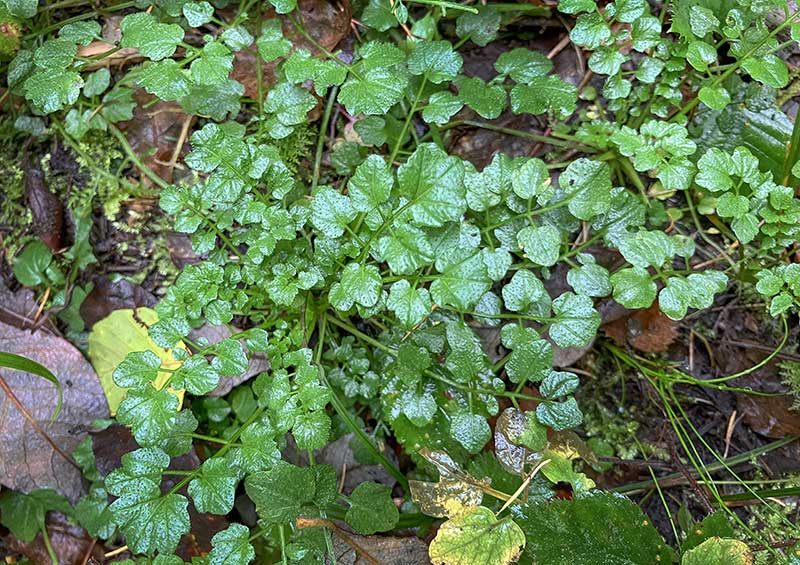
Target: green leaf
<point>231,545</point>
<point>718,551</point>
<point>118,105</point>
<point>558,384</point>
<point>153,39</point>
<point>488,101</point>
<point>441,107</point>
<point>436,60</point>
<point>523,291</point>
<point>633,287</point>
<point>237,38</point>
<point>213,65</point>
<point>198,13</point>
<point>378,15</point>
<point>590,279</point>
<point>312,430</point>
<point>462,278</point>
<point>569,531</point>
<point>150,413</point>
<point>433,183</point>
<point>149,521</point>
<point>284,6</point>
<point>769,70</point>
<point>24,514</point>
<point>576,6</point>
<point>606,61</point>
<point>331,212</point>
<point>22,8</point>
<point>406,249</point>
<point>138,368</point>
<point>409,304</point>
<point>140,469</point>
<point>52,89</point>
<point>716,98</point>
<point>477,537</point>
<point>523,65</point>
<point>196,375</point>
<point>588,184</point>
<point>289,105</point>
<point>472,431</point>
<point>542,244</point>
<point>271,43</point>
<point>541,94</point>
<point>359,284</point>
<point>30,266</point>
<point>576,320</point>
<point>377,82</point>
<point>700,54</point>
<point>81,32</point>
<point>629,11</point>
<point>166,80</point>
<point>372,509</point>
<point>560,415</point>
<point>371,184</point>
<point>531,357</point>
<point>213,491</point>
<point>280,493</point>
<point>590,31</point>
<point>702,21</point>
<point>481,28</point>
<point>96,83</point>
<point>20,363</point>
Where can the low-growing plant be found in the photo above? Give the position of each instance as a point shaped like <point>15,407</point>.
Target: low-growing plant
<point>399,292</point>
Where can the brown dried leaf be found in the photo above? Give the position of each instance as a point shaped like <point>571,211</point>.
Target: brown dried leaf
<point>770,416</point>
<point>154,132</point>
<point>27,459</point>
<point>383,549</point>
<point>47,211</point>
<point>107,296</point>
<point>647,330</point>
<point>72,545</point>
<point>327,22</point>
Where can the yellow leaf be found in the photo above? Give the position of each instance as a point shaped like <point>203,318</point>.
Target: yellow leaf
<point>118,334</point>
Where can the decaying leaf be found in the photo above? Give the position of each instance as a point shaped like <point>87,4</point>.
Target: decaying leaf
<point>115,336</point>
<point>455,493</point>
<point>719,551</point>
<point>512,454</point>
<point>387,550</point>
<point>34,452</point>
<point>477,538</point>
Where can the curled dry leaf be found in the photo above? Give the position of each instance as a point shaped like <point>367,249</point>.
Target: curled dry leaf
<point>34,451</point>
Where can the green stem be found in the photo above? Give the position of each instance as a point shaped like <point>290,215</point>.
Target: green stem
<point>410,116</point>
<point>721,78</point>
<point>326,117</point>
<point>344,414</point>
